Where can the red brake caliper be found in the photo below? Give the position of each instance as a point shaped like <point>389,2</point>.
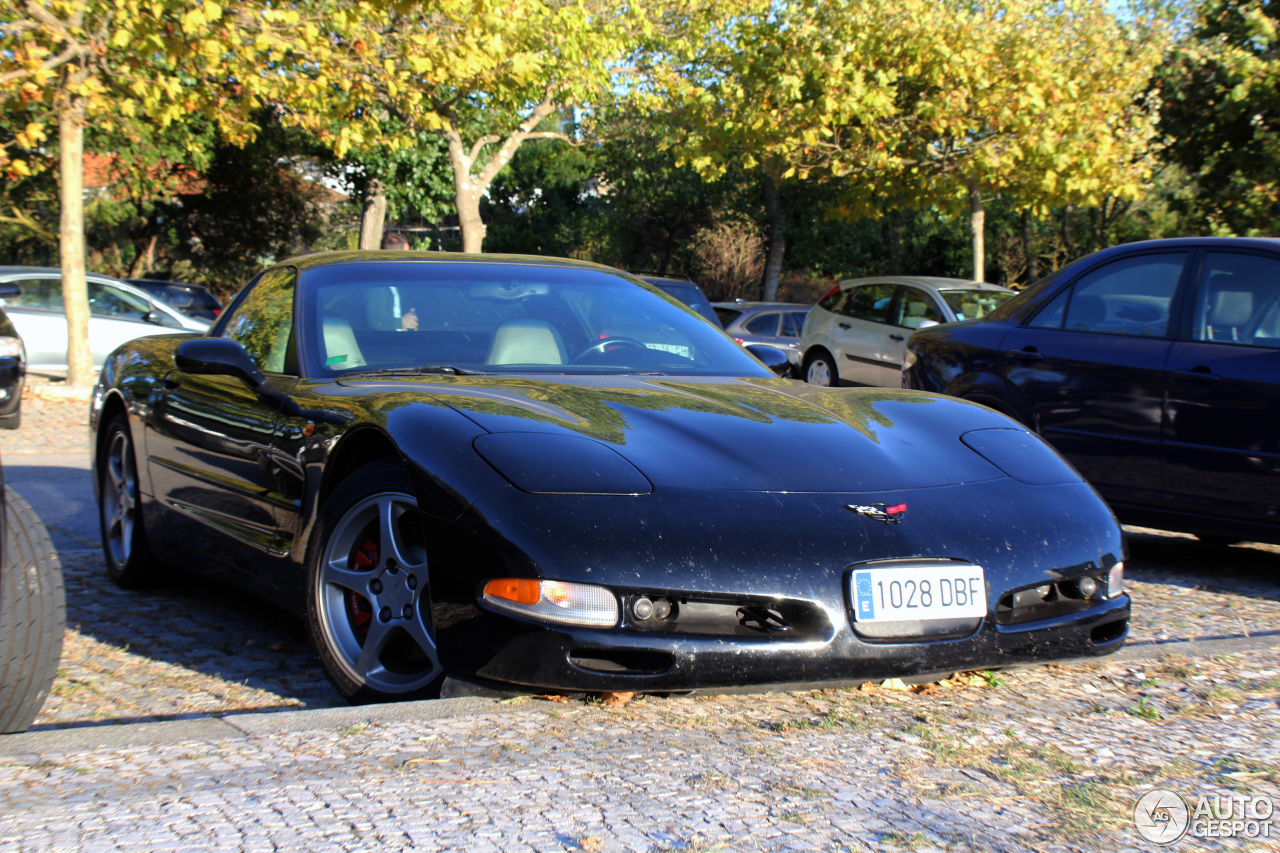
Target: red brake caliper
<point>358,606</point>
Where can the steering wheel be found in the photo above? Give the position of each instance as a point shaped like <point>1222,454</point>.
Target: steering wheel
<point>601,346</point>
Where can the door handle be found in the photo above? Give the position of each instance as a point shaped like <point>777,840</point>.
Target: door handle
<point>896,338</point>
<point>844,325</point>
<point>1200,374</point>
<point>1025,354</point>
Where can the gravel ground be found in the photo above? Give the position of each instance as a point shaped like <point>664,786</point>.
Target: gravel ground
<point>1042,758</point>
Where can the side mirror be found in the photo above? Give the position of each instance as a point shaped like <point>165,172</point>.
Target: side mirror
<point>217,357</point>
<point>8,290</point>
<point>772,357</point>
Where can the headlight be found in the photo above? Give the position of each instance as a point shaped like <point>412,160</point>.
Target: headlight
<point>10,347</point>
<point>908,358</point>
<point>554,601</point>
<point>1025,457</point>
<point>555,464</point>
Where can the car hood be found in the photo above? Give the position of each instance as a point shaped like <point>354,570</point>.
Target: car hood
<point>770,435</point>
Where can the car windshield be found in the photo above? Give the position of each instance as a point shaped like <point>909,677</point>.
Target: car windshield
<point>504,318</point>
<point>972,304</point>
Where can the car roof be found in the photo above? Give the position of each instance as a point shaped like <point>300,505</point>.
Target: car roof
<point>26,270</point>
<point>323,259</point>
<point>928,282</point>
<point>743,305</point>
<point>142,281</point>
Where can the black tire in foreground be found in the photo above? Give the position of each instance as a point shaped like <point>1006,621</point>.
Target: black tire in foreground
<point>32,615</point>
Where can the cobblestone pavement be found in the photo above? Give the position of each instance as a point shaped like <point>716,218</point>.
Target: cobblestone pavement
<point>1043,758</point>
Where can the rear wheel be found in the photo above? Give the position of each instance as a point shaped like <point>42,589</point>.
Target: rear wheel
<point>821,370</point>
<point>124,539</point>
<point>368,608</point>
<point>32,615</point>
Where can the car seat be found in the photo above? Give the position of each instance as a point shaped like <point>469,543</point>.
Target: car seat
<point>526,341</point>
<point>341,351</point>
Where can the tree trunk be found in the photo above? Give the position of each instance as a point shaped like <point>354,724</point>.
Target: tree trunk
<point>374,217</point>
<point>977,225</point>
<point>144,255</point>
<point>75,292</point>
<point>473,227</point>
<point>1066,233</point>
<point>777,240</point>
<point>1029,249</point>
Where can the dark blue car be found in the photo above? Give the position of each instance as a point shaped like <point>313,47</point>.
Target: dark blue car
<point>1154,367</point>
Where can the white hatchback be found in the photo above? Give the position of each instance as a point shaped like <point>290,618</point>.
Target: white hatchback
<point>857,333</point>
<point>118,313</point>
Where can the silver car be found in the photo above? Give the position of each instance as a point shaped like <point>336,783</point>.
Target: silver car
<point>118,313</point>
<point>857,333</point>
<point>777,324</point>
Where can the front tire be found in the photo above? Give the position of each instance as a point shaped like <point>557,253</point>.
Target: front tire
<point>32,616</point>
<point>821,370</point>
<point>368,602</point>
<point>124,538</point>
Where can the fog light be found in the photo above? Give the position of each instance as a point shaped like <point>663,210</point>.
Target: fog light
<point>661,608</point>
<point>1115,580</point>
<point>1043,591</point>
<point>554,601</point>
<point>642,608</point>
<point>1088,586</point>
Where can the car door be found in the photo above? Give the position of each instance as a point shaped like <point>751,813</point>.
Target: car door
<point>38,315</point>
<point>863,335</point>
<point>1088,371</point>
<point>911,308</point>
<point>208,442</point>
<point>1222,444</point>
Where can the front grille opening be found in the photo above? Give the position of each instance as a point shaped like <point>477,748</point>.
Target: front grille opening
<point>729,617</point>
<point>1109,632</point>
<point>622,661</point>
<point>1051,599</point>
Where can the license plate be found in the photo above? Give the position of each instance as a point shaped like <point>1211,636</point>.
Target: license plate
<point>919,592</point>
<point>674,349</point>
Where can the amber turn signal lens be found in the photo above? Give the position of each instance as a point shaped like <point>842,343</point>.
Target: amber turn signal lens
<point>514,589</point>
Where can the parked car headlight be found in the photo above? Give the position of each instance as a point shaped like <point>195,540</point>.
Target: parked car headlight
<point>554,601</point>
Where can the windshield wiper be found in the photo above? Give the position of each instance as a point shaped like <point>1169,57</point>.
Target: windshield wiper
<point>443,369</point>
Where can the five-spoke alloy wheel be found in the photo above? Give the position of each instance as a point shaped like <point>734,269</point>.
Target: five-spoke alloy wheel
<point>124,538</point>
<point>368,605</point>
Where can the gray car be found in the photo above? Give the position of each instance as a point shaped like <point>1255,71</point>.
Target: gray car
<point>778,324</point>
<point>118,312</point>
<point>857,333</point>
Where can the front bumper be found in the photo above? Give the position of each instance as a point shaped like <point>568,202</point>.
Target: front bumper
<point>595,660</point>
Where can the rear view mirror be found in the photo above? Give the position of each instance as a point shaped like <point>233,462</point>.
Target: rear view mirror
<point>773,358</point>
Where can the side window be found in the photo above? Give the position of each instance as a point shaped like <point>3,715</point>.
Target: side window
<point>792,323</point>
<point>833,301</point>
<point>37,293</point>
<point>108,301</point>
<point>1050,316</point>
<point>870,302</point>
<point>1128,297</point>
<point>263,320</point>
<point>1239,300</point>
<point>763,324</point>
<point>914,307</point>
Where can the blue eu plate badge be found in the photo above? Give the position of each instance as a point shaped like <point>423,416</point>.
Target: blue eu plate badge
<point>864,604</point>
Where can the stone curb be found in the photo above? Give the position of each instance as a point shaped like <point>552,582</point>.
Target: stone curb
<point>204,729</point>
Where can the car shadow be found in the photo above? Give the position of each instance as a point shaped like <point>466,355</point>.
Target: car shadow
<point>1248,569</point>
<point>189,647</point>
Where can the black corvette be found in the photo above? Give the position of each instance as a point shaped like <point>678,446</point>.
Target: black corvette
<point>499,471</point>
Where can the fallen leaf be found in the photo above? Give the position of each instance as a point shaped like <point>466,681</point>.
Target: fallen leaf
<point>614,698</point>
